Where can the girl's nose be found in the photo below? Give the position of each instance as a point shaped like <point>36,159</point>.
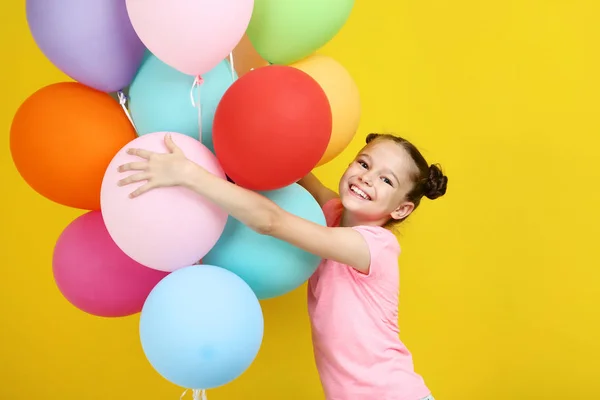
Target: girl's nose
<point>366,179</point>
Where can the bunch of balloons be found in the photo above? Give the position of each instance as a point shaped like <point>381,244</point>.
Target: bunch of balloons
<point>195,275</point>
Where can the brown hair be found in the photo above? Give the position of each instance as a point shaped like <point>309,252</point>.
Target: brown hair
<point>429,181</point>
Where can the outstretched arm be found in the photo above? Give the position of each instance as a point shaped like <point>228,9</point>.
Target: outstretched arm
<point>343,245</point>
<point>320,192</point>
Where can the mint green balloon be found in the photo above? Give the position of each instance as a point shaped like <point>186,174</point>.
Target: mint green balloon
<point>159,99</point>
<point>285,31</point>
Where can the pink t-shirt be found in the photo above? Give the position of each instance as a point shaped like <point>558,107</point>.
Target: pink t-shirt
<point>354,319</point>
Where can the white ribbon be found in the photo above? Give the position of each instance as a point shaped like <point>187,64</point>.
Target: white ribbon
<point>197,394</point>
<point>232,68</point>
<point>198,81</point>
<point>123,103</point>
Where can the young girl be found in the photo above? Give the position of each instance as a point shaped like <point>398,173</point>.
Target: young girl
<point>353,295</point>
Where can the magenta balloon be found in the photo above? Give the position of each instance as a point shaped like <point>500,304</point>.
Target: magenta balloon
<point>92,41</point>
<point>95,275</point>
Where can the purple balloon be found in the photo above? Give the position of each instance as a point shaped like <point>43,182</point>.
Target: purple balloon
<point>92,41</point>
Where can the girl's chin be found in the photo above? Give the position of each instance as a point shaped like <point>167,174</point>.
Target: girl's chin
<point>362,209</point>
<point>356,206</point>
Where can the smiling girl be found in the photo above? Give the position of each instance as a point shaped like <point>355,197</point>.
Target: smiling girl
<point>353,295</point>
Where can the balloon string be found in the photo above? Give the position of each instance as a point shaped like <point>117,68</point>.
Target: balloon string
<point>198,81</point>
<point>123,102</point>
<point>197,394</point>
<point>232,67</point>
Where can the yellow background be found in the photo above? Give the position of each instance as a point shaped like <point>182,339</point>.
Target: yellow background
<point>500,279</point>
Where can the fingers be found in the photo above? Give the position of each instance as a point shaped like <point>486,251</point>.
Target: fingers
<point>134,166</point>
<point>138,178</point>
<point>134,178</point>
<point>141,190</point>
<point>140,153</point>
<point>170,143</point>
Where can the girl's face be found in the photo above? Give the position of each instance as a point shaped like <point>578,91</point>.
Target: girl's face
<point>374,187</point>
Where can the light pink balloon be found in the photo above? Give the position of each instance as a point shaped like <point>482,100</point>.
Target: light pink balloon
<point>192,36</point>
<point>166,228</point>
<point>95,275</point>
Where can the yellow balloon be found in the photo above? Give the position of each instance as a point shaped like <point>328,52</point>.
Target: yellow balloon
<point>344,98</point>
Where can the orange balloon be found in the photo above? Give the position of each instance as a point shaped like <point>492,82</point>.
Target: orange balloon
<point>246,58</point>
<point>62,139</point>
<point>344,98</point>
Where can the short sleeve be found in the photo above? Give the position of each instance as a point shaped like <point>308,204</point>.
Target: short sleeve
<point>383,247</point>
<point>332,210</point>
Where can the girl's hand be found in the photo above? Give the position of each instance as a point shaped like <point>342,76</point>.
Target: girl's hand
<point>159,170</point>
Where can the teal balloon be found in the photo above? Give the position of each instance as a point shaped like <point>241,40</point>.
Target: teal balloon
<point>270,266</point>
<point>160,99</point>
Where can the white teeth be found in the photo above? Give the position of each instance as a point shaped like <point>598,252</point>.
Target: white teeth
<point>360,192</point>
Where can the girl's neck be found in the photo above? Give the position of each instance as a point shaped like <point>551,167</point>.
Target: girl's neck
<point>347,220</point>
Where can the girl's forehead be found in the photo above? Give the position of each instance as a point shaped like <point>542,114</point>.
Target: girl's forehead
<point>388,152</point>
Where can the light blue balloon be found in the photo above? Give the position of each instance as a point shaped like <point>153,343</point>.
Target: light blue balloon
<point>159,99</point>
<point>201,327</point>
<point>271,267</point>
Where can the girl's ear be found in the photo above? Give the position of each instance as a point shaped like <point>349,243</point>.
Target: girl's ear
<point>403,210</point>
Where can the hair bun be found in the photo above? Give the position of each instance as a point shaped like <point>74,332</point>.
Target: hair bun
<point>436,183</point>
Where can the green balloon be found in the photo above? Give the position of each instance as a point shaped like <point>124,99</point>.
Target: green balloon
<point>285,31</point>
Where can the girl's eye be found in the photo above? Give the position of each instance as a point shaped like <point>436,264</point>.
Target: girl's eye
<point>386,180</point>
<point>363,164</point>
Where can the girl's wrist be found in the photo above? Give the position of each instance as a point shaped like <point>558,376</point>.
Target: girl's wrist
<point>190,174</point>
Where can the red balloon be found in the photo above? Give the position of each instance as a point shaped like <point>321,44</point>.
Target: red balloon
<point>271,127</point>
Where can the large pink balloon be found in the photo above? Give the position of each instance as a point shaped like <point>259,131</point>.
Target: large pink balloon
<point>192,36</point>
<point>165,228</point>
<point>95,275</point>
